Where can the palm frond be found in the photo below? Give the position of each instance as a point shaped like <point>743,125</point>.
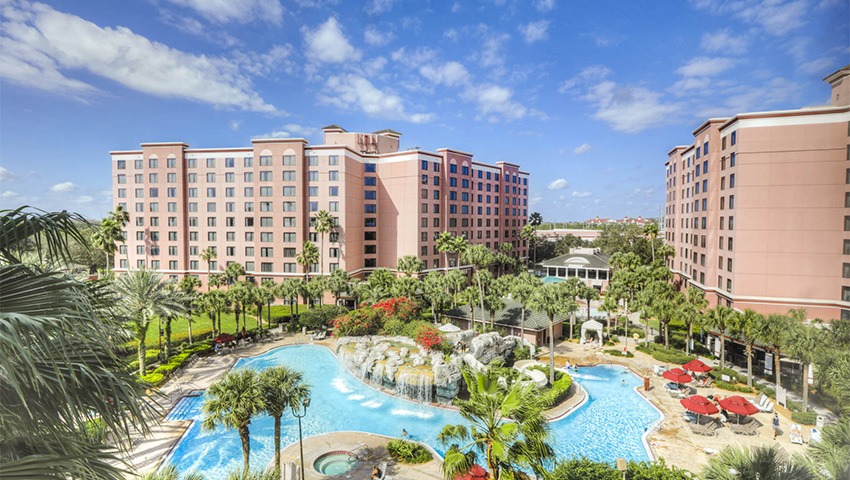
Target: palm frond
<point>46,234</point>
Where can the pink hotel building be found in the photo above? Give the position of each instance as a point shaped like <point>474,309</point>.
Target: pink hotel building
<point>758,208</point>
<point>253,205</point>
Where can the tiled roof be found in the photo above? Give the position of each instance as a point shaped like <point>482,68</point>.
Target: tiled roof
<point>509,316</point>
<point>582,260</point>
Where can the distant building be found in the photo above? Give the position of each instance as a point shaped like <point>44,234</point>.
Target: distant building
<point>535,329</point>
<point>758,208</point>
<point>557,233</point>
<point>586,264</point>
<point>256,205</point>
<point>625,220</point>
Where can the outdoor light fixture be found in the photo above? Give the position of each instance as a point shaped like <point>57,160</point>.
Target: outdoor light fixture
<point>299,413</point>
<point>622,466</point>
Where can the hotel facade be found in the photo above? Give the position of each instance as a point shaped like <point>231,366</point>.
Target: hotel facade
<point>255,205</point>
<point>758,208</point>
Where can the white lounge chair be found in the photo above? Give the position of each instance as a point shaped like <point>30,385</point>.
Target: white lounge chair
<point>767,407</point>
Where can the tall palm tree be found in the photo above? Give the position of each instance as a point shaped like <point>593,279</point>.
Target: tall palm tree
<point>746,327</point>
<point>522,289</point>
<point>268,292</point>
<point>691,312</point>
<point>216,280</point>
<point>529,234</point>
<point>507,427</point>
<point>803,344</point>
<point>281,388</point>
<point>189,285</point>
<point>315,288</point>
<point>143,296</point>
<point>232,402</point>
<point>208,255</point>
<point>588,294</point>
<point>323,224</point>
<point>435,288</point>
<point>338,283</point>
<point>720,318</point>
<point>290,289</point>
<point>406,287</point>
<point>120,218</point>
<point>553,299</point>
<point>239,296</point>
<point>308,257</point>
<point>774,334</point>
<point>610,306</point>
<point>756,463</point>
<point>456,280</point>
<point>233,271</point>
<point>58,336</point>
<point>572,287</point>
<point>651,230</point>
<point>410,264</point>
<point>535,219</point>
<point>106,238</point>
<point>380,283</point>
<point>480,257</point>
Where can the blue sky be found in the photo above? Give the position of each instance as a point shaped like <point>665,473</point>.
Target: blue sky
<point>587,96</point>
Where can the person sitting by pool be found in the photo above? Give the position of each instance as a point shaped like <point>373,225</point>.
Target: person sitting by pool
<point>376,473</point>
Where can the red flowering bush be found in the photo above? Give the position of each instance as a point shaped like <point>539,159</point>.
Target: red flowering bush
<point>363,321</point>
<point>402,308</point>
<point>429,337</point>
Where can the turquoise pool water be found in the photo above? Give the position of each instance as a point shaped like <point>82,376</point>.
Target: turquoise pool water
<point>608,426</point>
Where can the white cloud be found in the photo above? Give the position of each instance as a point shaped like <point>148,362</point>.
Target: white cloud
<point>328,44</point>
<point>455,7</point>
<point>83,199</point>
<point>724,42</point>
<point>821,66</point>
<point>449,74</point>
<point>9,194</point>
<point>451,34</point>
<point>583,148</point>
<point>536,199</point>
<point>39,46</point>
<point>777,17</point>
<point>689,84</point>
<point>545,5</point>
<point>705,66</point>
<point>354,91</point>
<point>375,37</point>
<point>290,130</point>
<point>534,31</point>
<point>491,54</point>
<point>235,124</point>
<point>377,7</point>
<point>495,102</point>
<point>591,74</point>
<point>5,174</point>
<point>558,184</point>
<point>581,194</point>
<point>629,108</point>
<point>63,187</point>
<point>228,11</point>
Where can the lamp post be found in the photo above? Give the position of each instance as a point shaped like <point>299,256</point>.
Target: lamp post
<point>299,413</point>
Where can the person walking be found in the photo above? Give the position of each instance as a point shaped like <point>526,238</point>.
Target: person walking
<point>775,425</point>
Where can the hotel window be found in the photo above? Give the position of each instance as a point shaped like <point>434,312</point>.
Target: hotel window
<point>333,252</point>
<point>729,244</point>
<point>313,191</point>
<point>732,159</point>
<point>266,222</point>
<point>249,266</point>
<point>248,177</point>
<point>333,206</point>
<point>732,181</point>
<point>370,249</point>
<point>289,159</point>
<point>288,206</point>
<point>370,194</point>
<point>370,208</point>
<point>435,222</point>
<point>289,267</point>
<point>153,178</point>
<point>249,236</point>
<point>249,251</point>
<point>192,163</point>
<point>370,181</point>
<point>289,237</point>
<point>846,177</point>
<point>312,176</point>
<point>211,221</point>
<point>122,178</point>
<point>289,191</point>
<point>248,162</point>
<point>266,191</point>
<point>722,222</point>
<point>723,183</point>
<point>138,178</point>
<point>847,223</point>
<point>437,179</point>
<point>121,164</point>
<point>249,206</point>
<point>731,223</point>
<point>230,222</point>
<point>333,160</point>
<point>333,175</point>
<point>846,200</point>
<point>369,167</point>
<point>138,164</point>
<point>720,263</point>
<point>139,192</point>
<point>211,236</point>
<point>210,163</point>
<point>370,222</point>
<point>211,191</point>
<point>230,192</point>
<point>288,221</point>
<point>249,221</point>
<point>210,178</point>
<point>313,160</point>
<point>229,162</point>
<point>333,191</point>
<point>333,237</point>
<point>265,161</point>
<point>313,207</point>
<point>369,236</point>
<point>729,264</point>
<point>731,202</point>
<point>846,270</point>
<point>267,252</point>
<point>734,138</point>
<point>289,175</point>
<point>266,176</point>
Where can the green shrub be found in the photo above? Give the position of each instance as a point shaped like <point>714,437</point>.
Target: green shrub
<point>734,387</point>
<point>556,392</point>
<point>521,352</point>
<point>805,418</point>
<point>405,451</point>
<point>737,377</point>
<point>770,392</point>
<point>94,431</point>
<point>363,321</point>
<point>584,469</point>
<point>618,353</point>
<point>665,355</point>
<point>321,316</point>
<point>153,379</point>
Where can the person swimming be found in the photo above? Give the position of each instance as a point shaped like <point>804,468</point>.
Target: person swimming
<point>404,433</point>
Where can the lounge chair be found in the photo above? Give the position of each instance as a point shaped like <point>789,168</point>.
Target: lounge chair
<point>659,369</point>
<point>707,429</point>
<point>795,435</point>
<point>767,408</point>
<point>707,383</point>
<point>383,468</point>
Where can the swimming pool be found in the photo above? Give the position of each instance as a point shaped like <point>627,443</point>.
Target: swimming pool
<point>608,426</point>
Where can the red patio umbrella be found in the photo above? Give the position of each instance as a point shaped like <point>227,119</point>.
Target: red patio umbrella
<point>677,375</point>
<point>696,365</point>
<point>699,405</point>
<point>476,473</point>
<point>739,405</point>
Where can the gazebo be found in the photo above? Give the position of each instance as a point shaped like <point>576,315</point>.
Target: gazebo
<point>591,325</point>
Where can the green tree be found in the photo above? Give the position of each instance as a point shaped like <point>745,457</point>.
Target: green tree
<point>456,281</point>
<point>214,302</point>
<point>239,296</point>
<point>535,219</point>
<point>691,311</point>
<point>232,402</point>
<point>106,238</point>
<point>281,389</point>
<point>522,290</point>
<point>338,283</point>
<point>529,234</point>
<point>290,289</point>
<point>660,300</point>
<point>611,306</point>
<point>774,334</point>
<point>572,287</point>
<point>720,318</point>
<point>380,283</point>
<point>756,463</point>
<point>803,344</point>
<point>746,326</point>
<point>143,296</point>
<point>208,255</point>
<point>435,287</point>
<point>308,257</point>
<point>507,427</point>
<point>831,456</point>
<point>58,336</point>
<point>169,472</point>
<point>216,280</point>
<point>480,257</point>
<point>233,271</point>
<point>405,287</point>
<point>553,299</point>
<point>315,289</point>
<point>651,231</point>
<point>588,294</point>
<point>189,285</point>
<point>410,264</point>
<point>323,223</point>
<point>268,293</point>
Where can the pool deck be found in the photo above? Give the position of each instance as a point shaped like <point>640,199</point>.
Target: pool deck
<point>671,438</point>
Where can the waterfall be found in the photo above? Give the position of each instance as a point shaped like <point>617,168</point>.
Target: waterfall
<point>416,384</point>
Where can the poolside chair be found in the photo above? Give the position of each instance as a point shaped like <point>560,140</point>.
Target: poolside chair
<point>383,468</point>
<point>768,408</point>
<point>707,383</point>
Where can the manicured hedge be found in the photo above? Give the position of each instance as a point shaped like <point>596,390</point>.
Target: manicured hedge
<point>666,355</point>
<point>805,418</point>
<point>405,451</point>
<point>618,353</point>
<point>161,373</point>
<point>556,392</point>
<point>734,387</point>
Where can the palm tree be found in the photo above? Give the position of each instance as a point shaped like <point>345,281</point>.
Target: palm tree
<point>774,334</point>
<point>233,271</point>
<point>410,264</point>
<point>502,258</point>
<point>756,463</point>
<point>529,234</point>
<point>338,283</point>
<point>803,343</point>
<point>58,336</point>
<point>268,292</point>
<point>405,287</point>
<point>187,285</point>
<point>239,296</point>
<point>142,296</point>
<point>588,294</point>
<point>507,427</point>
<point>178,296</point>
<point>572,287</point>
<point>120,217</point>
<point>469,295</point>
<point>170,472</point>
<point>691,312</point>
<point>281,388</point>
<point>831,456</point>
<point>208,255</point>
<point>720,318</point>
<point>553,299</point>
<point>308,257</point>
<point>455,281</point>
<point>434,286</point>
<point>480,257</point>
<point>216,280</point>
<point>522,289</point>
<point>746,327</point>
<point>315,288</point>
<point>447,242</point>
<point>651,230</point>
<point>535,219</point>
<point>214,302</point>
<point>380,283</point>
<point>290,289</point>
<point>323,224</point>
<point>232,402</point>
<point>106,238</point>
<point>610,306</point>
